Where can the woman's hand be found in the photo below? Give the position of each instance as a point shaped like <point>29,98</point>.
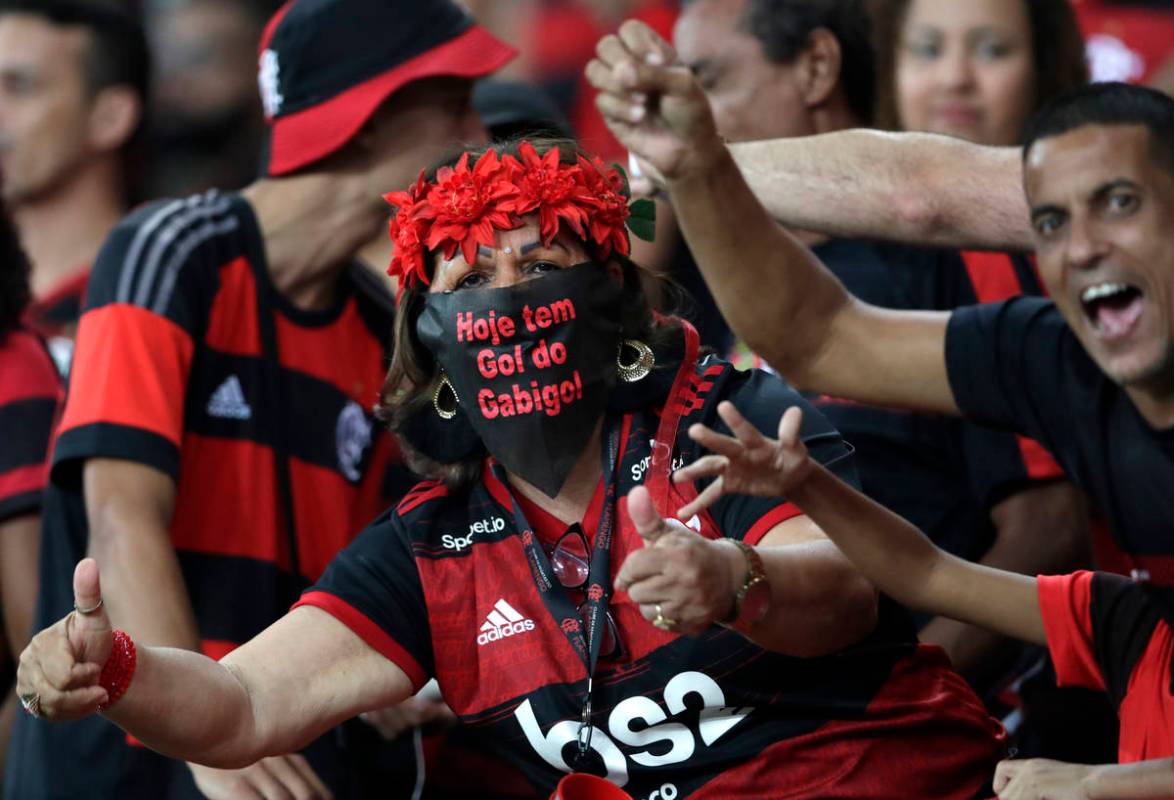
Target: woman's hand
<point>652,102</point>
<point>59,670</point>
<point>1041,779</point>
<point>747,462</point>
<point>686,581</point>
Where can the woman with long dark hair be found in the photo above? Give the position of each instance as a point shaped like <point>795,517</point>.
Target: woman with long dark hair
<point>975,69</point>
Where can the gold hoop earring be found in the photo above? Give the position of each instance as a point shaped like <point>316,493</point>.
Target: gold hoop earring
<point>445,413</point>
<point>638,369</point>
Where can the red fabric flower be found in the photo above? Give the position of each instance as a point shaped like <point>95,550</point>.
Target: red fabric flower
<point>553,190</point>
<point>407,234</point>
<point>609,206</point>
<point>465,206</point>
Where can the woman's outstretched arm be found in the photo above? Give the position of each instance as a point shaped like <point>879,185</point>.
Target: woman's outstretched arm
<point>301,676</point>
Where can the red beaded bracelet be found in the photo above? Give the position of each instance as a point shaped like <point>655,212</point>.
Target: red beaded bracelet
<point>119,669</point>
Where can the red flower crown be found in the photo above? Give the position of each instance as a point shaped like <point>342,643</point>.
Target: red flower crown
<point>464,207</point>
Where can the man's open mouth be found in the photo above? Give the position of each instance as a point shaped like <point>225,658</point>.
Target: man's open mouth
<point>1113,307</point>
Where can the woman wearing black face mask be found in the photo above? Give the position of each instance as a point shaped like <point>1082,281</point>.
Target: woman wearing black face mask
<point>572,623</point>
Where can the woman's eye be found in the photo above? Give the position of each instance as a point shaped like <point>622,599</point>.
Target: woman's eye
<point>471,281</point>
<point>992,50</point>
<point>924,50</point>
<point>542,266</point>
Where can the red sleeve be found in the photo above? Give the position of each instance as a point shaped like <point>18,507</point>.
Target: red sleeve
<point>29,395</point>
<point>776,516</point>
<point>1065,602</point>
<point>127,389</point>
<point>366,629</point>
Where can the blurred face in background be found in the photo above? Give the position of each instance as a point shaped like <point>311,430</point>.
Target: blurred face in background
<point>205,55</point>
<point>418,125</point>
<point>44,105</point>
<point>965,68</point>
<point>752,97</point>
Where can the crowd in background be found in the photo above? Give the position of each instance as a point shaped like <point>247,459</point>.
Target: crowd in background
<point>93,129</point>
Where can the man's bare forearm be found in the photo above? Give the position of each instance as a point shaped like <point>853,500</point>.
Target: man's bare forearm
<point>791,310</point>
<point>1141,779</point>
<point>774,292</point>
<point>908,567</point>
<point>129,512</point>
<point>1056,507</point>
<point>918,188</point>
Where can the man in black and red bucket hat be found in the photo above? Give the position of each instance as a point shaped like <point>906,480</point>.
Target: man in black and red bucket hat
<point>217,446</point>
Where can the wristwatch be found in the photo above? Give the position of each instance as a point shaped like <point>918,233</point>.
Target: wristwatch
<point>752,600</point>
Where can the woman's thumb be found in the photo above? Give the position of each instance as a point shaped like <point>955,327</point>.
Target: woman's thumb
<point>89,616</point>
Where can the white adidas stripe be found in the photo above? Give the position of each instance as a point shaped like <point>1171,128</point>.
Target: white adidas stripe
<point>508,611</point>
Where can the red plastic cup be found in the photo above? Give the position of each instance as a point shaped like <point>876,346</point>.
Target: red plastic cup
<point>581,786</point>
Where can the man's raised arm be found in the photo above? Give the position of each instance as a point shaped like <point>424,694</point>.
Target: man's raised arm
<point>772,290</point>
<point>920,188</point>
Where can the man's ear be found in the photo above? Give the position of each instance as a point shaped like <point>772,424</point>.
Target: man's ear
<point>818,67</point>
<point>114,117</point>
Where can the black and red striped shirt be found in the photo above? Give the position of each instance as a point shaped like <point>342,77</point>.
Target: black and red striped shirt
<point>54,315</point>
<point>441,586</point>
<point>30,391</point>
<point>1106,632</point>
<point>174,368</point>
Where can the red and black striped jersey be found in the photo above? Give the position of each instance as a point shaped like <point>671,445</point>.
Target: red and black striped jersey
<point>1106,632</point>
<point>441,586</point>
<point>189,361</point>
<point>30,391</point>
<point>55,314</point>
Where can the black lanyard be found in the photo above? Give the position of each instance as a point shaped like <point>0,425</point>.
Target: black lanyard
<point>586,643</point>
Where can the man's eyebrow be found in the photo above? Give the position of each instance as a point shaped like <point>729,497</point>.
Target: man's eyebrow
<point>1039,211</point>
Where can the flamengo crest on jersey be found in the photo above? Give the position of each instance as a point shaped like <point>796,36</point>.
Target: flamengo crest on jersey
<point>503,621</point>
<point>228,401</point>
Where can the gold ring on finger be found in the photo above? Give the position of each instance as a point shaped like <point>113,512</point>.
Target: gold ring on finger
<point>663,622</point>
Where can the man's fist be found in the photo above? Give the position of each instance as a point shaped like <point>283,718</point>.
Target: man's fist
<point>653,104</point>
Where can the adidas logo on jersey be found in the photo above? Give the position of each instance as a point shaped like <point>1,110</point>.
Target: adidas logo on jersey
<point>503,621</point>
<point>228,401</point>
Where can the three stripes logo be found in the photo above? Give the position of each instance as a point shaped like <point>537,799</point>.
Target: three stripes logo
<point>228,401</point>
<point>503,621</point>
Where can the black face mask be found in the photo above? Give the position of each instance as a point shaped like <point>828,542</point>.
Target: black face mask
<point>532,364</point>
